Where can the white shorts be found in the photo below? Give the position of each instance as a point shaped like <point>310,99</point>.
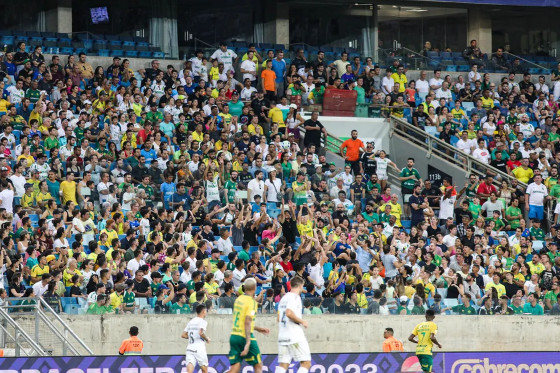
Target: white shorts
<point>297,352</point>
<point>382,176</point>
<point>196,356</point>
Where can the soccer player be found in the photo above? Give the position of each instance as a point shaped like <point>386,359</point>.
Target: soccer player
<point>195,333</point>
<point>242,342</point>
<point>292,344</point>
<point>426,333</point>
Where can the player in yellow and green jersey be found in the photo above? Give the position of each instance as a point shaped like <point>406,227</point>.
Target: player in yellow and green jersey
<point>426,333</point>
<point>242,342</point>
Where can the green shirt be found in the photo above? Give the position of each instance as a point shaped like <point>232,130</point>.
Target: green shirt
<point>361,99</point>
<point>94,309</point>
<point>417,310</point>
<point>300,197</point>
<point>552,296</point>
<point>370,186</point>
<point>149,192</point>
<point>154,287</point>
<point>514,211</point>
<point>243,255</point>
<point>154,117</point>
<point>538,233</point>
<point>231,187</point>
<point>461,309</point>
<point>235,108</point>
<point>517,310</point>
<point>128,298</point>
<point>373,218</point>
<point>33,95</point>
<point>555,191</point>
<point>185,309</point>
<point>537,310</point>
<point>409,184</point>
<point>51,143</point>
<point>475,210</point>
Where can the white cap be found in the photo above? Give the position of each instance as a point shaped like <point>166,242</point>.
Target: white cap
<point>293,106</point>
<point>403,299</point>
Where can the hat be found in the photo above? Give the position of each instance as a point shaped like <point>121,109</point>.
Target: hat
<point>291,134</point>
<point>163,287</point>
<point>4,169</point>
<point>215,251</point>
<point>50,257</point>
<point>332,164</point>
<point>87,102</point>
<point>180,97</point>
<point>403,299</point>
<point>293,106</point>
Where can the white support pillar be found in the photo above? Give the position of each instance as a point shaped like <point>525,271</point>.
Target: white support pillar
<point>480,29</point>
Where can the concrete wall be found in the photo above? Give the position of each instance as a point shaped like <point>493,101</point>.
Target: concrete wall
<point>135,63</point>
<point>327,333</point>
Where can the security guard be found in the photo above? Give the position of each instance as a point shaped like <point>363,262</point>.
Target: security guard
<point>132,345</point>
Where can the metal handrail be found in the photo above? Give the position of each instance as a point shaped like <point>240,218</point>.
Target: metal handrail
<point>19,331</point>
<point>67,329</point>
<point>444,150</point>
<point>527,61</point>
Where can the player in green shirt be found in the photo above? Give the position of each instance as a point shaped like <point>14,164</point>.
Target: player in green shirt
<point>300,187</point>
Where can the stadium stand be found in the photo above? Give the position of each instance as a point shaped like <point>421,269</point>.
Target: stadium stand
<point>145,185</point>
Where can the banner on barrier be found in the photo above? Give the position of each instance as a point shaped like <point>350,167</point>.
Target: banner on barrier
<point>506,362</point>
<point>448,362</point>
<point>322,363</point>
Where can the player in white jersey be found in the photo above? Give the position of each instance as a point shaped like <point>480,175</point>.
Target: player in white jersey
<point>195,333</point>
<point>292,344</point>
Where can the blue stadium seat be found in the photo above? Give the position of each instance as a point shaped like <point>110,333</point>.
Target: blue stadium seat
<point>158,55</point>
<point>116,52</point>
<point>131,53</point>
<point>67,50</point>
<point>103,52</point>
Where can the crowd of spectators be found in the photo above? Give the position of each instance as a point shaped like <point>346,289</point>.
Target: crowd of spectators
<point>176,186</point>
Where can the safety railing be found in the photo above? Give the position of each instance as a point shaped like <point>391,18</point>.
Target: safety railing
<point>445,151</point>
<point>526,61</point>
<point>12,335</point>
<point>51,333</point>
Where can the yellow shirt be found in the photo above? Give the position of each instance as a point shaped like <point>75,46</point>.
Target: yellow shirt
<point>214,73</point>
<point>362,300</point>
<point>424,332</point>
<point>396,210</point>
<point>487,103</point>
<point>68,190</point>
<point>536,268</point>
<point>30,159</point>
<point>306,229</point>
<point>401,79</point>
<point>244,306</point>
<point>276,116</point>
<point>198,137</point>
<point>500,289</point>
<point>35,115</point>
<point>110,235</point>
<point>428,288</point>
<point>67,276</point>
<point>523,175</point>
<point>37,271</point>
<point>252,129</point>
<point>43,197</point>
<point>27,200</point>
<point>115,300</point>
<point>211,288</point>
<point>458,114</point>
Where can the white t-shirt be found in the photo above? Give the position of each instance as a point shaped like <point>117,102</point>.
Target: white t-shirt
<point>273,189</point>
<point>196,343</point>
<point>16,95</point>
<point>225,246</point>
<point>226,58</point>
<point>246,93</point>
<point>249,66</point>
<point>422,86</point>
<point>449,240</point>
<point>440,93</point>
<point>39,289</point>
<point>436,82</point>
<point>482,155</point>
<point>7,197</point>
<point>464,146</point>
<point>256,187</point>
<point>77,226</point>
<point>387,85</point>
<point>219,277</point>
<point>289,332</point>
<point>536,193</point>
<point>446,207</point>
<point>19,184</point>
<point>238,276</point>
<point>196,64</point>
<point>101,187</point>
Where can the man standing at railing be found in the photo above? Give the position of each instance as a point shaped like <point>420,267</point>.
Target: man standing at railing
<point>353,147</point>
<point>313,131</point>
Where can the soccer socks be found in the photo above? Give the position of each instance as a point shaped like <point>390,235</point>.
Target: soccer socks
<point>302,370</point>
<point>279,369</point>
